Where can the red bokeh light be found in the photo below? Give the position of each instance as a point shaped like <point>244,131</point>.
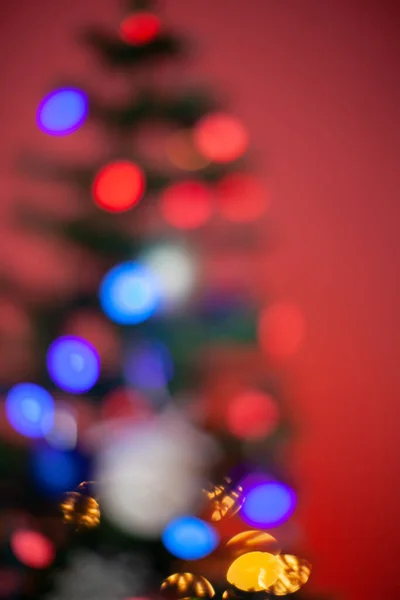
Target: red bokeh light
<point>32,549</point>
<point>140,28</point>
<point>241,197</point>
<point>220,137</point>
<point>187,204</point>
<point>281,330</point>
<point>124,403</point>
<point>252,415</point>
<point>118,186</point>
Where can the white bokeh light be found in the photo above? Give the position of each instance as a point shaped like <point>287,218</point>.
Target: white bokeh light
<point>175,269</point>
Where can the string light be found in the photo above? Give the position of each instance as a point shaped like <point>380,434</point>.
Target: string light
<point>140,28</point>
<point>129,293</point>
<point>73,364</point>
<point>241,198</point>
<point>62,111</point>
<point>252,415</point>
<point>32,548</point>
<point>118,186</point>
<point>30,410</point>
<point>189,538</point>
<point>220,138</point>
<point>187,204</point>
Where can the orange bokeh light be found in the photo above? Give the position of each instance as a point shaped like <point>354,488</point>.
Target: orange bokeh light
<point>140,28</point>
<point>220,138</point>
<point>281,330</point>
<point>118,186</point>
<point>252,415</point>
<point>181,152</point>
<point>187,204</point>
<point>241,197</point>
<point>32,549</point>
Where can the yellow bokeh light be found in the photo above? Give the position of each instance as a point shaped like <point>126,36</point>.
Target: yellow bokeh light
<point>254,571</point>
<point>295,573</point>
<point>180,586</point>
<point>253,540</point>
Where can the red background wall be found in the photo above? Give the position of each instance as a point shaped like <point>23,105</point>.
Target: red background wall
<point>317,84</point>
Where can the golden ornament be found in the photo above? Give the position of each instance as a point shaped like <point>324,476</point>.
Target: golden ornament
<point>295,573</point>
<point>81,510</point>
<point>253,540</point>
<point>254,571</point>
<point>186,585</point>
<point>225,500</point>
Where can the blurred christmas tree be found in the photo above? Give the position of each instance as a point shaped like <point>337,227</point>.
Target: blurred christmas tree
<point>152,369</point>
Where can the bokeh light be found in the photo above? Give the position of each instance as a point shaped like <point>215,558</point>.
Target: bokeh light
<point>252,540</point>
<point>149,365</point>
<point>30,409</point>
<point>64,433</point>
<point>182,153</point>
<point>62,111</point>
<point>186,585</point>
<point>118,186</point>
<point>73,364</point>
<point>295,573</point>
<point>189,538</point>
<point>241,197</point>
<point>129,293</point>
<point>175,270</point>
<point>220,137</point>
<point>268,504</point>
<point>254,571</point>
<point>140,28</point>
<point>281,330</point>
<point>186,204</point>
<point>252,415</point>
<point>56,471</point>
<point>126,404</point>
<point>32,548</point>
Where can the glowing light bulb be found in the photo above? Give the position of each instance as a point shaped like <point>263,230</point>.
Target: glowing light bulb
<point>32,548</point>
<point>186,204</point>
<point>73,364</point>
<point>129,293</point>
<point>140,28</point>
<point>241,198</point>
<point>220,138</point>
<point>62,111</point>
<point>175,271</point>
<point>189,538</point>
<point>118,186</point>
<point>268,504</point>
<point>30,410</point>
<point>252,415</point>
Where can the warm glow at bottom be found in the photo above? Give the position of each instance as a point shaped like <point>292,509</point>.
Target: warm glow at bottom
<point>255,571</point>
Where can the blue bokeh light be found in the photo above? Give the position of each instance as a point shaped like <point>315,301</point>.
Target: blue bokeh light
<point>268,504</point>
<point>62,111</point>
<point>73,364</point>
<point>56,471</point>
<point>189,538</point>
<point>149,366</point>
<point>30,409</point>
<point>129,293</point>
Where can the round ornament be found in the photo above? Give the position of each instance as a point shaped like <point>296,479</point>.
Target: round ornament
<point>253,540</point>
<point>295,573</point>
<point>254,571</point>
<point>80,509</point>
<point>180,586</point>
<point>225,500</point>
